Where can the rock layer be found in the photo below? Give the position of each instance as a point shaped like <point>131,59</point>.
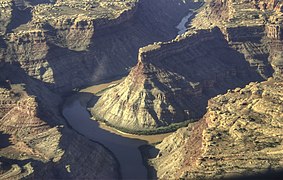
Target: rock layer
<point>79,43</point>
<point>5,15</point>
<point>41,145</point>
<point>173,81</point>
<point>241,134</point>
<point>63,45</point>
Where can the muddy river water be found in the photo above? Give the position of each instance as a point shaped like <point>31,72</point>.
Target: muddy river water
<point>125,147</point>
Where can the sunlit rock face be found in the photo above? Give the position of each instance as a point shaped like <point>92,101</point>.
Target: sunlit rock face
<point>73,23</point>
<point>150,96</point>
<point>5,15</point>
<point>173,81</point>
<point>40,144</point>
<point>55,46</point>
<point>68,44</point>
<point>241,134</point>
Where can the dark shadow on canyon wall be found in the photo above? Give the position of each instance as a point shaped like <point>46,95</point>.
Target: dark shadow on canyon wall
<point>206,60</point>
<point>149,152</point>
<point>113,51</point>
<point>77,147</point>
<point>4,140</point>
<point>48,101</point>
<point>20,16</point>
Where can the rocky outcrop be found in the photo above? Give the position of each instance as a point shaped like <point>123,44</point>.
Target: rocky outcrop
<point>152,93</point>
<point>29,134</point>
<point>5,15</point>
<point>244,25</point>
<point>61,46</point>
<point>72,23</point>
<point>241,134</point>
<point>173,81</point>
<point>29,48</point>
<point>75,43</point>
<point>274,40</point>
<point>40,143</point>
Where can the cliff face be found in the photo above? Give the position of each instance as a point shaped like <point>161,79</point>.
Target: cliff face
<point>5,15</point>
<point>28,133</point>
<point>173,81</point>
<point>87,41</point>
<point>252,27</point>
<point>274,32</point>
<point>40,144</point>
<point>72,23</point>
<point>60,45</point>
<point>29,48</point>
<point>241,134</point>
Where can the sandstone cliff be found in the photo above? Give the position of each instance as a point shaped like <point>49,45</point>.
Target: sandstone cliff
<point>5,15</point>
<point>173,81</point>
<point>197,65</point>
<point>61,45</point>
<point>252,27</point>
<point>241,134</point>
<point>72,23</point>
<point>69,44</point>
<point>40,143</point>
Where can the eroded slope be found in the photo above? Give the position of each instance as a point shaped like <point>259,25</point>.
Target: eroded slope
<point>173,81</point>
<point>74,43</point>
<point>241,134</point>
<point>40,143</point>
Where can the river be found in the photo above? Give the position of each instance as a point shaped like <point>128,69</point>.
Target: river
<point>125,147</point>
<point>182,25</point>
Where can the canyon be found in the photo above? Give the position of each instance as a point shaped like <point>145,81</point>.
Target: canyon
<point>88,35</point>
<point>49,48</point>
<point>173,80</point>
<point>241,134</point>
<point>201,78</point>
<point>241,131</point>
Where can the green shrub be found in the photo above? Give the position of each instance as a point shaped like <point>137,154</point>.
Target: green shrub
<point>158,130</point>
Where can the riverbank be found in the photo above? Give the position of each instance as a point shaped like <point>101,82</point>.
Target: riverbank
<point>85,95</point>
<point>182,26</point>
<point>124,149</point>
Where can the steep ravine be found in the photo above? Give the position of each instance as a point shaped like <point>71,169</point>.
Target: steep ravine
<point>241,131</point>
<point>172,82</point>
